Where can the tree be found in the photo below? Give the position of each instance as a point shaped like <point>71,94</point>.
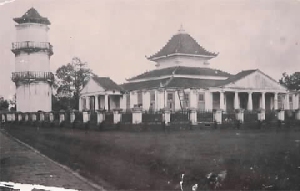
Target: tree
<point>292,82</point>
<point>70,80</point>
<point>13,102</point>
<point>4,104</point>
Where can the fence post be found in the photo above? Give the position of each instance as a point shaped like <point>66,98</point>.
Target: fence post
<point>193,116</point>
<point>33,117</point>
<point>297,114</point>
<point>281,115</point>
<point>100,116</point>
<point>72,116</point>
<point>26,117</point>
<point>240,115</point>
<point>117,116</point>
<point>218,116</point>
<point>167,116</point>
<point>261,115</point>
<point>61,116</point>
<point>19,117</point>
<point>85,116</point>
<point>3,118</point>
<point>42,116</point>
<point>136,115</point>
<point>51,117</point>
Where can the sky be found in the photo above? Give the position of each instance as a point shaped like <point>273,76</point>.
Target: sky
<point>114,36</point>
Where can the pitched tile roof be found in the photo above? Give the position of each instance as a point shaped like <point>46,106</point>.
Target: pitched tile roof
<point>236,77</point>
<point>32,16</point>
<point>192,83</point>
<point>175,82</point>
<point>181,70</point>
<point>182,43</point>
<point>149,84</point>
<point>107,83</point>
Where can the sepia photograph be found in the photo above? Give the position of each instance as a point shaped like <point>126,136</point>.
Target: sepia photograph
<point>140,95</point>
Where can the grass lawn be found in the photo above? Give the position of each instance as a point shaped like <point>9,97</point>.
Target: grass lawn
<point>254,159</point>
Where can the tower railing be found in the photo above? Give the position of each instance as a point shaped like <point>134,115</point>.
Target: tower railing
<point>30,45</point>
<point>30,75</point>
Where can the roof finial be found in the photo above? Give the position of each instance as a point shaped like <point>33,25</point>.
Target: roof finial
<point>181,30</point>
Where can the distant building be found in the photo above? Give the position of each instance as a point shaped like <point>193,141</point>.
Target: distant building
<point>32,75</point>
<point>184,79</point>
<point>101,93</point>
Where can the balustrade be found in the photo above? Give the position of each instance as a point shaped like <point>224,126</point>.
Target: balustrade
<point>20,76</point>
<point>17,46</point>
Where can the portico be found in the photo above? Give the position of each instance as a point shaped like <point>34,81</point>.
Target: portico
<point>229,100</point>
<point>101,93</point>
<point>101,102</point>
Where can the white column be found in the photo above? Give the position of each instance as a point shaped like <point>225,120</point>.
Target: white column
<point>106,102</point>
<point>275,100</point>
<point>123,102</point>
<point>236,100</point>
<point>295,105</point>
<point>263,100</point>
<point>250,102</point>
<point>297,101</point>
<point>80,104</point>
<point>222,101</point>
<point>146,100</point>
<point>96,102</point>
<point>286,104</point>
<point>88,103</point>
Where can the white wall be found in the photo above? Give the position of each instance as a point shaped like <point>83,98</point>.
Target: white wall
<point>193,99</point>
<point>123,102</point>
<point>182,61</point>
<point>133,99</point>
<point>91,87</point>
<point>208,100</point>
<point>33,97</point>
<point>31,32</point>
<point>161,99</point>
<point>38,61</point>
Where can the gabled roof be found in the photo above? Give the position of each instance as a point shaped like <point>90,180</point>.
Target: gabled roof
<point>107,83</point>
<point>182,43</point>
<point>237,77</point>
<point>181,70</point>
<point>32,16</point>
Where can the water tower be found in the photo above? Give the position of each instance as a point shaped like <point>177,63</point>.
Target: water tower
<point>32,75</point>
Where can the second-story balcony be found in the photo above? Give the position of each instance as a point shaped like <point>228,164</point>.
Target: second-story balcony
<point>32,76</point>
<point>29,46</point>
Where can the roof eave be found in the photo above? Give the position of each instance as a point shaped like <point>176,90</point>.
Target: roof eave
<point>21,20</point>
<point>154,58</point>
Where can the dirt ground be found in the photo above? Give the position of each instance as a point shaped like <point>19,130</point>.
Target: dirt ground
<point>266,159</point>
<point>20,164</point>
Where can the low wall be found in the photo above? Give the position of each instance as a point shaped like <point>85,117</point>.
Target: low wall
<point>142,121</point>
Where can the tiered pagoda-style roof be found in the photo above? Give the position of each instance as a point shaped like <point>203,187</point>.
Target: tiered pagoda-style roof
<point>32,16</point>
<point>179,76</point>
<point>182,44</point>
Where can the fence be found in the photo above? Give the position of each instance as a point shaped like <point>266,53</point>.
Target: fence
<point>205,116</point>
<point>80,119</point>
<point>151,118</point>
<point>250,117</point>
<point>178,117</point>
